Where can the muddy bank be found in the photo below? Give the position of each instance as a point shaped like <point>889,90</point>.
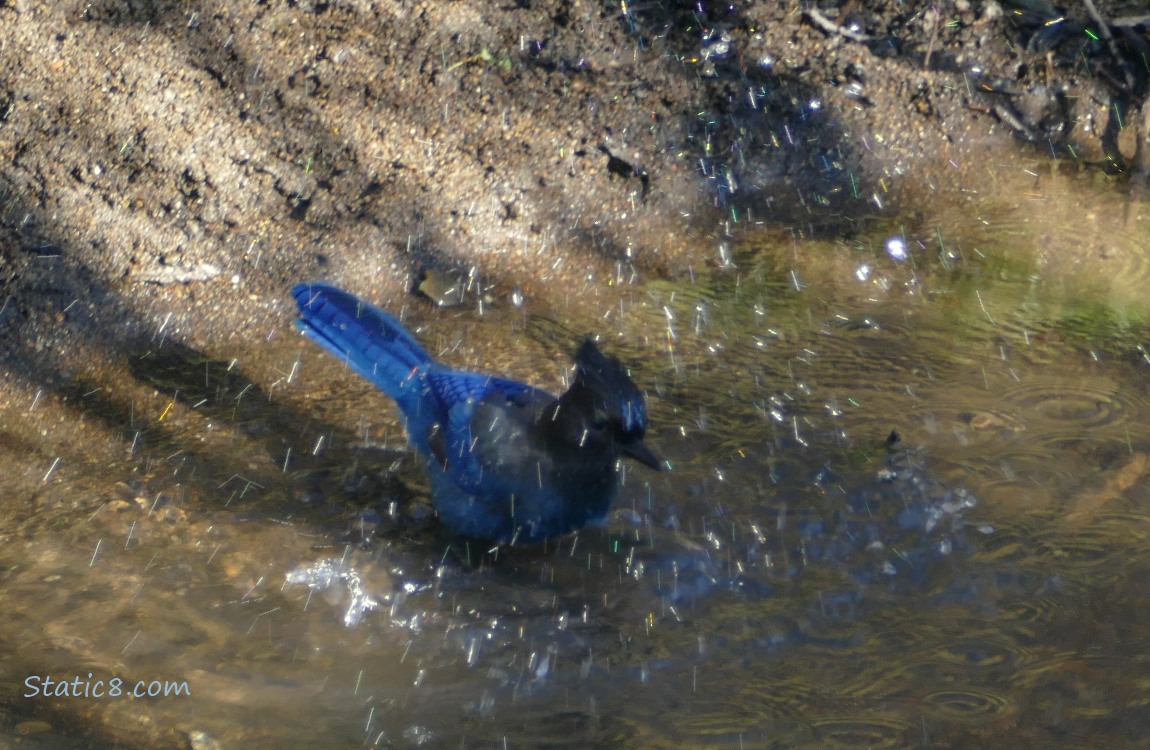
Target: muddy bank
<point>177,166</point>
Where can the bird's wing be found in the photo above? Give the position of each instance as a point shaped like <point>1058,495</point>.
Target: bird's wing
<point>465,448</point>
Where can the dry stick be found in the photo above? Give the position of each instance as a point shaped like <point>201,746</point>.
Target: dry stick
<point>933,35</point>
<point>828,25</point>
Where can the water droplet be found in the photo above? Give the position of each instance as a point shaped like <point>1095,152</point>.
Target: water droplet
<point>417,735</point>
<point>896,248</point>
<point>725,255</point>
<point>544,667</point>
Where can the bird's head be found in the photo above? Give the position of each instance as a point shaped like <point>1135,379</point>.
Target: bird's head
<point>618,408</point>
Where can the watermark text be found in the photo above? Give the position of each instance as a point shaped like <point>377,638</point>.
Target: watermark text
<point>41,686</point>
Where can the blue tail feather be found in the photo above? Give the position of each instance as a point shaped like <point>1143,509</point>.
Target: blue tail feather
<point>373,342</point>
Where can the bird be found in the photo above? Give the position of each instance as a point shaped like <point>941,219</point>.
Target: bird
<point>507,462</point>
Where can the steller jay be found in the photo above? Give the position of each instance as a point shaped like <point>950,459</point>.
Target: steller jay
<point>507,462</point>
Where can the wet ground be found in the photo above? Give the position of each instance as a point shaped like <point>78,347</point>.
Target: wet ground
<point>797,580</point>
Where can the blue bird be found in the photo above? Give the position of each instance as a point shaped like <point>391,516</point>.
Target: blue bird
<point>507,462</point>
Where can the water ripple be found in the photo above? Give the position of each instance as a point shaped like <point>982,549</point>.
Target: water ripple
<point>969,705</point>
<point>1057,403</point>
<point>870,731</point>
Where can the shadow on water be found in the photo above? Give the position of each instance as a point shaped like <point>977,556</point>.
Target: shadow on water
<point>219,392</point>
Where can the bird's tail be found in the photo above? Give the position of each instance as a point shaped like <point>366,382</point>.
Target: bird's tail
<point>374,343</point>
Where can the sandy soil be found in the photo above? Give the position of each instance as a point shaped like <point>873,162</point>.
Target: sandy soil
<point>170,168</point>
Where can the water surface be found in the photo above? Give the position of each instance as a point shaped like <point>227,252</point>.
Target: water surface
<point>798,579</point>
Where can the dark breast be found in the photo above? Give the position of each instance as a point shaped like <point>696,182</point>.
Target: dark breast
<point>561,480</point>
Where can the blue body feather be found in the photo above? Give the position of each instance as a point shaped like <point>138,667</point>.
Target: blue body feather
<point>506,461</point>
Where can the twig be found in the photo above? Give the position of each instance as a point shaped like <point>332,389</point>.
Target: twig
<point>936,19</point>
<point>1104,30</point>
<point>830,26</point>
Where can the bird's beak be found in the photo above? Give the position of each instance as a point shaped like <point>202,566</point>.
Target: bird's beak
<point>641,453</point>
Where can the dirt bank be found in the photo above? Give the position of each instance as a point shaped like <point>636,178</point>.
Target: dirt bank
<point>171,167</point>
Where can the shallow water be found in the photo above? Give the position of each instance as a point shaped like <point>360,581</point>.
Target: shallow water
<point>792,582</point>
